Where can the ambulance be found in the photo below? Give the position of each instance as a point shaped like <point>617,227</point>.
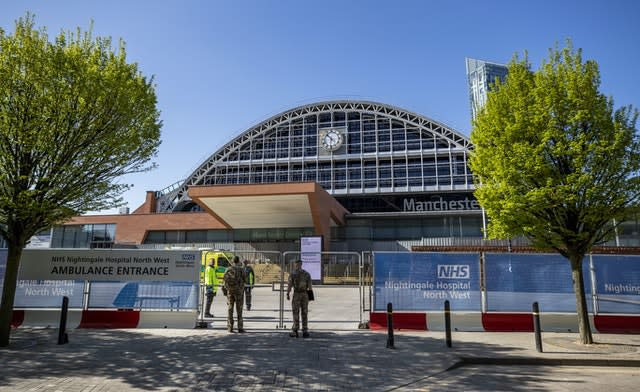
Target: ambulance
<point>221,261</point>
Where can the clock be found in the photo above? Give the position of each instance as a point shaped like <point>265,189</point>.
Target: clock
<point>331,139</point>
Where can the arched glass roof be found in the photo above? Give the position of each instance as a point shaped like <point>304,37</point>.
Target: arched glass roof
<point>348,147</point>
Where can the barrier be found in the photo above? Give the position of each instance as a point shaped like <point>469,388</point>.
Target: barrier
<point>460,321</point>
<point>617,324</point>
<point>411,321</point>
<point>50,318</point>
<point>110,319</point>
<point>493,292</point>
<point>504,322</point>
<point>167,319</point>
<point>416,296</point>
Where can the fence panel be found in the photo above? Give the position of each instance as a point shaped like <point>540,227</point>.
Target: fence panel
<point>514,281</point>
<point>423,281</point>
<point>143,295</point>
<point>617,282</point>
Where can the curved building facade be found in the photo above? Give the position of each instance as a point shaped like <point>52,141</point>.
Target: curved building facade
<point>349,148</point>
<point>393,177</point>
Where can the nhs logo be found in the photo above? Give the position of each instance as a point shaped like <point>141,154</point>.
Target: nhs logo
<point>448,271</point>
<point>188,257</point>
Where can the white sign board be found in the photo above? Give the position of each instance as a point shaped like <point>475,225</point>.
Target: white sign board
<point>311,255</point>
<point>109,265</point>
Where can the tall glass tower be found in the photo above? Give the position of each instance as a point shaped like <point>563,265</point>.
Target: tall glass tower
<point>481,75</point>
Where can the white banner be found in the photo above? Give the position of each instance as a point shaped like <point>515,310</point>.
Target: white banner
<point>109,265</point>
<point>311,255</point>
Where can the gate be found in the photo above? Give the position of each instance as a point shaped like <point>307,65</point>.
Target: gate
<point>265,297</point>
<point>337,278</point>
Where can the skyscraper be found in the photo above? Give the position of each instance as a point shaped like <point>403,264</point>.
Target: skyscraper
<point>481,75</point>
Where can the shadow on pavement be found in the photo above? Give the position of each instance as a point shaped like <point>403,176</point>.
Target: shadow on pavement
<point>202,359</point>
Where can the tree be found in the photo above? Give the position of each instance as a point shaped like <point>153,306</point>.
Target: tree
<point>74,117</point>
<point>554,162</point>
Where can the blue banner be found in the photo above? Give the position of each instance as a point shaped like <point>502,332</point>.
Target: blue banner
<point>423,281</point>
<point>144,295</point>
<point>514,281</point>
<point>617,279</point>
<point>48,293</point>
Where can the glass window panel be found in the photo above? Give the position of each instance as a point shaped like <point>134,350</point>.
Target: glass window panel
<point>409,229</point>
<point>356,232</point>
<point>171,237</point>
<point>69,236</point>
<point>155,237</point>
<point>384,233</point>
<point>242,235</point>
<point>428,143</point>
<point>415,181</point>
<point>56,237</point>
<point>433,227</point>
<point>399,182</point>
<point>196,236</point>
<point>324,118</point>
<point>219,235</point>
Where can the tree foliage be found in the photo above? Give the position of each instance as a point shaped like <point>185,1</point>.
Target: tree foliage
<point>553,161</point>
<point>74,117</point>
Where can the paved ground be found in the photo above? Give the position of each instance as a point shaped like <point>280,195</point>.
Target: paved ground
<point>337,357</point>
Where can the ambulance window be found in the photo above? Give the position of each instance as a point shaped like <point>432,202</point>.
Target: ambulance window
<point>223,261</point>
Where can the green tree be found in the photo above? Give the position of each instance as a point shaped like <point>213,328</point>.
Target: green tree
<point>554,162</point>
<point>74,117</point>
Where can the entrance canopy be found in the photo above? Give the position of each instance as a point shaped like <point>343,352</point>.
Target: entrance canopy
<point>282,205</point>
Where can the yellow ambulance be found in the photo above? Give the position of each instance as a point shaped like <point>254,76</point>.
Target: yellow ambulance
<point>221,259</point>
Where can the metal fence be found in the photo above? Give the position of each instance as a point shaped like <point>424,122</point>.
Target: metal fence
<point>503,282</point>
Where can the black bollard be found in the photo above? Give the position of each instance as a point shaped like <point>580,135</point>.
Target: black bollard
<point>447,322</point>
<point>63,338</point>
<point>536,327</point>
<point>390,326</point>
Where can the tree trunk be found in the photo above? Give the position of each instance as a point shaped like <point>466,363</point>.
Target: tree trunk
<point>9,292</point>
<point>581,302</point>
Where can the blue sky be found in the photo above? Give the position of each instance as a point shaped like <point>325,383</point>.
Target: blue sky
<point>224,66</point>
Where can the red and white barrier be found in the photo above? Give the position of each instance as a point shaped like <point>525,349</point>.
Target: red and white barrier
<point>429,321</point>
<point>504,322</point>
<point>104,319</point>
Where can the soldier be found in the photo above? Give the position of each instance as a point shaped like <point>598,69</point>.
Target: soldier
<point>300,282</point>
<point>234,281</point>
<point>250,280</point>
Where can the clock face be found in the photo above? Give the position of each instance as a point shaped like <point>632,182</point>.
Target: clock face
<point>331,140</point>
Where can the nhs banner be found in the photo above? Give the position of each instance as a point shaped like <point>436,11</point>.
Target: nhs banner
<point>515,280</point>
<point>617,279</point>
<point>423,281</point>
<point>110,265</point>
<point>48,293</point>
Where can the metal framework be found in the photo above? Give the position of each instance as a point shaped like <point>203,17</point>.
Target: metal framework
<point>386,150</point>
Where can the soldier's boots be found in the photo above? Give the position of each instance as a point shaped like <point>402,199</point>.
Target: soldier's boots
<point>241,330</point>
<point>293,334</point>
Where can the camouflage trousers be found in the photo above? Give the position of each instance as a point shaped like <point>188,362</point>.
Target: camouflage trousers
<point>300,305</point>
<point>235,299</point>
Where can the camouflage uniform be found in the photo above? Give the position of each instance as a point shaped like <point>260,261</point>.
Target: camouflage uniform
<point>300,282</point>
<point>235,298</point>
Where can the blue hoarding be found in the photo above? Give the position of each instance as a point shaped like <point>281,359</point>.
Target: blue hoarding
<point>617,279</point>
<point>423,281</point>
<point>514,281</point>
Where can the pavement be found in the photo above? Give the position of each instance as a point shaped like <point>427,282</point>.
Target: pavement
<point>337,357</point>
